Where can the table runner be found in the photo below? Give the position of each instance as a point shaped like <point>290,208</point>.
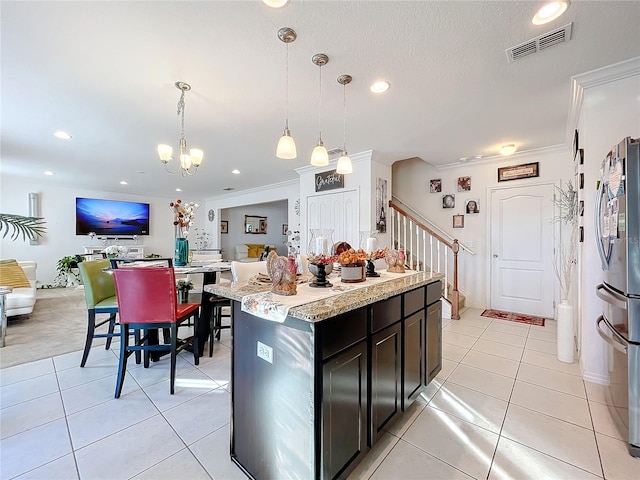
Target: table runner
<point>275,307</point>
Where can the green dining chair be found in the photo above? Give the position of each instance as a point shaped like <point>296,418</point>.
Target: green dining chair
<point>100,295</point>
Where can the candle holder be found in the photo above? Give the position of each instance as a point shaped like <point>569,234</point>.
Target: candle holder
<point>371,269</point>
<point>320,280</point>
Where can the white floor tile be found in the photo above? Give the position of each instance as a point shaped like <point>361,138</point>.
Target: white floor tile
<point>550,361</point>
<point>453,353</point>
<point>609,420</point>
<point>499,349</point>
<point>93,393</point>
<point>213,453</point>
<point>31,449</point>
<point>410,463</point>
<point>375,457</point>
<point>159,371</point>
<point>430,390</point>
<point>616,461</point>
<point>464,329</point>
<point>180,465</point>
<point>26,390</point>
<point>64,468</point>
<point>546,335</point>
<point>479,322</point>
<point>25,371</point>
<point>482,381</point>
<point>515,461</point>
<point>545,377</point>
<point>33,413</point>
<point>152,441</point>
<point>403,421</point>
<point>72,377</point>
<point>197,418</point>
<point>73,359</point>
<point>458,339</point>
<point>541,346</point>
<point>460,444</point>
<point>219,371</point>
<point>512,328</point>
<point>447,367</point>
<point>99,421</point>
<point>607,394</point>
<point>565,407</point>
<point>491,363</point>
<point>193,384</point>
<point>568,442</point>
<point>474,407</point>
<point>505,338</point>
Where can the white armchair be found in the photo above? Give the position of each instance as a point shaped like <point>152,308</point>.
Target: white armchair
<point>242,272</point>
<point>22,300</point>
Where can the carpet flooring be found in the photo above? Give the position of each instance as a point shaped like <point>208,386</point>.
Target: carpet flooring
<point>514,317</point>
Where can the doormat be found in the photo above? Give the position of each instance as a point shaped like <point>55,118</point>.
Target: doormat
<point>514,317</point>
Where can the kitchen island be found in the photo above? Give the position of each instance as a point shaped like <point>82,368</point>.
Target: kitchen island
<point>312,392</point>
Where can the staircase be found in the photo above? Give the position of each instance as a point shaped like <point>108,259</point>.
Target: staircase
<point>428,251</point>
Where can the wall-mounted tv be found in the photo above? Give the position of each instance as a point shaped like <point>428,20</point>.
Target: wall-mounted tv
<point>111,217</point>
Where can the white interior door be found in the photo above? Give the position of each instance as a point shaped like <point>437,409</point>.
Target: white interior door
<point>339,211</point>
<point>522,240</point>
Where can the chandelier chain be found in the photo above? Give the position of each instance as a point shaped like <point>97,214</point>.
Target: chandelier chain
<point>181,112</point>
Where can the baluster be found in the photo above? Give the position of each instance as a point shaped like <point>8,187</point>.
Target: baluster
<point>446,273</point>
<point>431,253</point>
<point>410,252</point>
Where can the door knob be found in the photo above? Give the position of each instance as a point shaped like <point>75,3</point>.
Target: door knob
<point>495,256</point>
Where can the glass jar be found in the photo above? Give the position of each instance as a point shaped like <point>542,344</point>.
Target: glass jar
<point>368,240</point>
<point>320,241</point>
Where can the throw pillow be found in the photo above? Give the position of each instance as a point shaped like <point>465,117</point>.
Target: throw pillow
<point>254,250</point>
<point>12,275</point>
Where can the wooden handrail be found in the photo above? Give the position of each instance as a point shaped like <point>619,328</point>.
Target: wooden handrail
<point>455,248</point>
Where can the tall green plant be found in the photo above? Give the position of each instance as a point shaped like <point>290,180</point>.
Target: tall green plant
<point>29,227</point>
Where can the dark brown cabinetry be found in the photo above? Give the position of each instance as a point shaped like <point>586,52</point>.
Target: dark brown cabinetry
<point>434,340</point>
<point>413,356</point>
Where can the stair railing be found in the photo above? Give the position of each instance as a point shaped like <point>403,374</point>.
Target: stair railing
<point>424,246</point>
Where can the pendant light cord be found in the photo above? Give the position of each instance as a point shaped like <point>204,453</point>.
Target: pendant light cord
<point>320,105</point>
<point>344,117</point>
<point>286,122</point>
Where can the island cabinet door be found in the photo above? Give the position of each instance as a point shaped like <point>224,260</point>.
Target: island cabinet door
<point>434,341</point>
<point>413,357</point>
<point>344,411</point>
<point>386,378</point>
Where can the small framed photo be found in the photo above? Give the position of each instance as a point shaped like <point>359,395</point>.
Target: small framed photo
<point>581,157</point>
<point>224,226</point>
<point>581,180</point>
<point>448,201</point>
<point>472,206</point>
<point>576,144</point>
<point>515,172</point>
<point>458,221</point>
<point>285,227</point>
<point>464,184</point>
<point>435,185</point>
<point>581,208</point>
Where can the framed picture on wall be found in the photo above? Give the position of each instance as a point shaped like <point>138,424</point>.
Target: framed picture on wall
<point>224,226</point>
<point>435,185</point>
<point>458,221</point>
<point>285,227</point>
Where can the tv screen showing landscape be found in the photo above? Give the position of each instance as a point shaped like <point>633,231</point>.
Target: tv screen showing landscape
<point>111,217</point>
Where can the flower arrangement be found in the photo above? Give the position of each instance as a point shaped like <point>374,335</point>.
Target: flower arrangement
<point>184,285</point>
<point>321,259</point>
<point>352,257</point>
<point>183,215</point>
<point>376,254</point>
<point>566,201</point>
<point>113,251</point>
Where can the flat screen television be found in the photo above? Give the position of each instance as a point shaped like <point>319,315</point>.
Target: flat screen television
<point>111,217</point>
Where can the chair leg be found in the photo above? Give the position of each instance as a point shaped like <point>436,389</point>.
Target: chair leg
<point>212,333</point>
<point>196,339</point>
<point>218,322</point>
<point>112,325</point>
<point>136,338</point>
<point>174,346</point>
<point>91,328</point>
<point>122,365</point>
<point>145,332</point>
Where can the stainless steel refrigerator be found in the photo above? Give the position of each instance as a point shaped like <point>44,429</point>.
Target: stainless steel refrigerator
<point>618,241</point>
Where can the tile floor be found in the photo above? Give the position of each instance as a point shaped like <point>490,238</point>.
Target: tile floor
<point>502,407</point>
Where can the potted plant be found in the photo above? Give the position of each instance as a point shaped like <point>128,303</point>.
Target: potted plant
<point>183,287</point>
<point>67,269</point>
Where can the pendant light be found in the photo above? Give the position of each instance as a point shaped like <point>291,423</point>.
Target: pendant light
<point>286,145</point>
<point>319,156</point>
<point>344,162</point>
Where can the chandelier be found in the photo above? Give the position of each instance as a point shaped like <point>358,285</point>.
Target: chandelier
<point>192,158</point>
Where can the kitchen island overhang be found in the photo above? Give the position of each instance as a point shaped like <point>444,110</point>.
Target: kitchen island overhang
<point>310,394</point>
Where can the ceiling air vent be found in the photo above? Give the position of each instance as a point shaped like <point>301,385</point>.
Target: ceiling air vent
<point>334,152</point>
<point>542,42</point>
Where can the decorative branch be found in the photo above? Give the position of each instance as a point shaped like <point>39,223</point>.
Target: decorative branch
<point>29,227</point>
<point>567,202</point>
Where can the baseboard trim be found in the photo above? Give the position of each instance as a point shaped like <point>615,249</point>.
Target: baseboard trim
<point>595,378</point>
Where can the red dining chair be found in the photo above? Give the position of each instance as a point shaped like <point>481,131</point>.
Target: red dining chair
<point>147,300</point>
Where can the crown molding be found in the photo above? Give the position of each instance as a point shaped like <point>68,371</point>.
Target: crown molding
<point>530,154</point>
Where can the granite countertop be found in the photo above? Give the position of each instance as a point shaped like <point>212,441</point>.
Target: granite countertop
<point>319,310</point>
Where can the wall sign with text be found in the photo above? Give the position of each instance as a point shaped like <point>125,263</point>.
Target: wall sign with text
<point>329,181</point>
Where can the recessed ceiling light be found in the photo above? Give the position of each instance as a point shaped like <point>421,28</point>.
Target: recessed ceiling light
<point>507,149</point>
<point>49,173</point>
<point>235,171</point>
<point>549,12</point>
<point>178,189</point>
<point>380,86</point>
<point>275,3</point>
<point>123,183</point>
<point>62,135</point>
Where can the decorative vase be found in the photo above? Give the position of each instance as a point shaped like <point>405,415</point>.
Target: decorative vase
<point>565,332</point>
<point>183,295</point>
<point>321,278</point>
<point>182,252</point>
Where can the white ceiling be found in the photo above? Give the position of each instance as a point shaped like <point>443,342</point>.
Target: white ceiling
<point>105,72</point>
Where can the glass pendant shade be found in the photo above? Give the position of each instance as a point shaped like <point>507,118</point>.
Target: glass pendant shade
<point>286,146</point>
<point>344,164</point>
<point>319,156</point>
<point>185,160</point>
<point>165,152</point>
<point>196,156</point>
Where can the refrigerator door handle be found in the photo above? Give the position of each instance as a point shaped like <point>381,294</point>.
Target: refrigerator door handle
<point>614,298</point>
<point>598,231</point>
<point>617,341</point>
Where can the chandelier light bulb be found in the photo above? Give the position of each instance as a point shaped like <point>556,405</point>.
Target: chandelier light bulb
<point>286,146</point>
<point>185,160</point>
<point>344,166</point>
<point>165,152</point>
<point>196,156</point>
<point>507,149</point>
<point>320,156</point>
